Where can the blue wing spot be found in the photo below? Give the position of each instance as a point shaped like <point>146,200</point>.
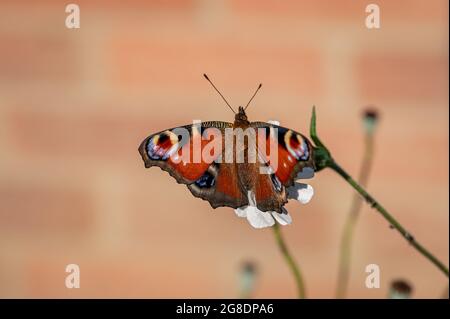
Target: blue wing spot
<point>207,180</point>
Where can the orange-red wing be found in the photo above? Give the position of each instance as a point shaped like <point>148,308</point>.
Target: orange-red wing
<point>286,151</point>
<point>180,151</point>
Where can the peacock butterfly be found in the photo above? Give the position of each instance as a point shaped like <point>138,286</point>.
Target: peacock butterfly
<point>249,166</point>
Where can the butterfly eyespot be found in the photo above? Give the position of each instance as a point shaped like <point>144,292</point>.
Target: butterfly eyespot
<point>162,146</point>
<point>296,146</point>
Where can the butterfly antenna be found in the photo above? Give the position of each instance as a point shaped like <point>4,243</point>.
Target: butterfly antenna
<point>206,77</point>
<point>253,96</point>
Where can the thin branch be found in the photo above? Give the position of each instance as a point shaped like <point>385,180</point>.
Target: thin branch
<point>392,221</point>
<point>290,261</point>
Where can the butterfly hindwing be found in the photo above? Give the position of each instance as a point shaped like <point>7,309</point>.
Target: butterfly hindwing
<point>270,194</point>
<point>221,187</point>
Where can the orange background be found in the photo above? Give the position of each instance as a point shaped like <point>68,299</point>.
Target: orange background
<point>76,103</point>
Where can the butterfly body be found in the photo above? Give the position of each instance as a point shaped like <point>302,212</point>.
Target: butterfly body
<point>236,183</point>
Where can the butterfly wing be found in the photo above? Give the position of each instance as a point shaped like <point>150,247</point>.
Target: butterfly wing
<point>293,151</point>
<point>286,155</point>
<point>223,188</point>
<point>191,155</point>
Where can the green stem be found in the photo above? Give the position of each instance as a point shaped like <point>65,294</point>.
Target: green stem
<point>350,223</point>
<point>392,221</point>
<point>290,261</point>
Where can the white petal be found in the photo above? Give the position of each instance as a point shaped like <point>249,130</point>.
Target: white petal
<point>283,219</point>
<point>241,211</point>
<point>259,219</point>
<point>301,192</point>
<point>274,122</point>
<point>305,173</point>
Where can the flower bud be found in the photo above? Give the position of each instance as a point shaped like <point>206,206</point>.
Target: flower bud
<point>370,118</point>
<point>400,289</point>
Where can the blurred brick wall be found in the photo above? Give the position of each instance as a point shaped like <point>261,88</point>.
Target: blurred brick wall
<point>75,104</point>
